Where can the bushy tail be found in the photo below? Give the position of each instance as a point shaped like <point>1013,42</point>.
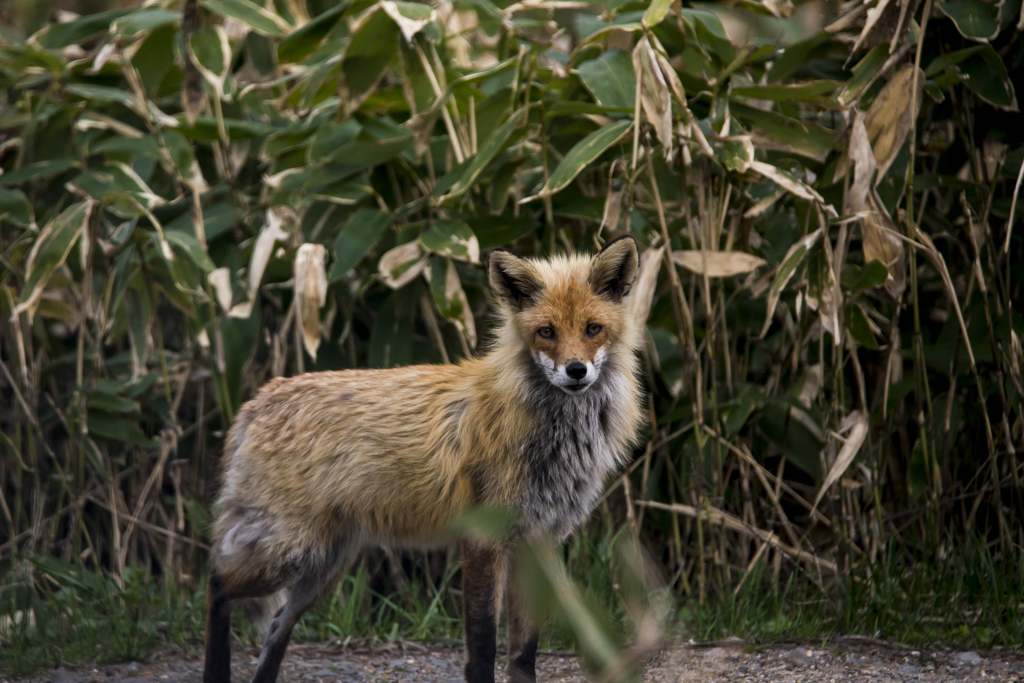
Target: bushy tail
<point>261,610</point>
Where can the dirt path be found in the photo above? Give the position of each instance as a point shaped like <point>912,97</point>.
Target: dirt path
<point>844,659</point>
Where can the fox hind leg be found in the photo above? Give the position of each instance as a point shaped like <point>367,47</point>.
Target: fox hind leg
<point>222,590</point>
<point>314,581</point>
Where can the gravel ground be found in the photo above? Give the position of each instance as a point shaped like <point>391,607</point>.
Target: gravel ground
<point>842,659</point>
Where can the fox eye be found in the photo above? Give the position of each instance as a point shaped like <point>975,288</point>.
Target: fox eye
<point>593,329</point>
<point>546,333</point>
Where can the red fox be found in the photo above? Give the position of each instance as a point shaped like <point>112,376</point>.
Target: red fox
<point>320,465</point>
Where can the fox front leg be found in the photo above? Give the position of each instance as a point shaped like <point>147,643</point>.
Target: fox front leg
<point>522,631</point>
<point>483,573</point>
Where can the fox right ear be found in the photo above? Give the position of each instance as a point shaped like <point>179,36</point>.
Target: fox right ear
<point>513,279</point>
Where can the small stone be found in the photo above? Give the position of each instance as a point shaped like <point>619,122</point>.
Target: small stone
<point>801,656</point>
<point>716,654</point>
<point>61,675</point>
<point>909,669</point>
<point>132,667</point>
<point>967,658</point>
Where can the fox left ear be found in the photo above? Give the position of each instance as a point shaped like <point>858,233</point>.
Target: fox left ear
<point>613,270</point>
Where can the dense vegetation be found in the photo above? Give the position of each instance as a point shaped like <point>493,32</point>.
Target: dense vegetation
<point>195,199</point>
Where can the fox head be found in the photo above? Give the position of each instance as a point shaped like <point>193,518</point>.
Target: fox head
<point>568,311</point>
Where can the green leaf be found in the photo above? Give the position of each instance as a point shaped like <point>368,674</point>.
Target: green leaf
<point>864,74</point>
<point>38,171</point>
<point>146,20</point>
<point>793,258</point>
<point>859,327</point>
<point>101,93</point>
<point>610,79</point>
<point>494,145</point>
<point>493,231</point>
<point>776,131</point>
<point>118,429</point>
<point>584,152</point>
<point>656,13</point>
<point>212,54</point>
<point>50,250</point>
<point>974,20</point>
<point>711,33</point>
<point>56,36</point>
<point>301,42</point>
<point>14,207</point>
<point>874,275</point>
<point>256,17</point>
<point>453,238</point>
<point>809,91</point>
<point>986,75</point>
<point>371,49</point>
<point>740,409</point>
<point>360,233</point>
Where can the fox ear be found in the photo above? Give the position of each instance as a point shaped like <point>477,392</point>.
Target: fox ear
<point>612,271</point>
<point>513,279</point>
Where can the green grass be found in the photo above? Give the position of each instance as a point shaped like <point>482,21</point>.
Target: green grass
<point>972,598</point>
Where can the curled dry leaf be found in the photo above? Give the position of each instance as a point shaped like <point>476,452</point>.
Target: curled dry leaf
<point>889,117</point>
<point>271,232</point>
<point>856,423</point>
<point>641,295</point>
<point>881,242</point>
<point>400,266</point>
<point>311,290</point>
<point>654,93</point>
<point>717,263</point>
<point>220,280</point>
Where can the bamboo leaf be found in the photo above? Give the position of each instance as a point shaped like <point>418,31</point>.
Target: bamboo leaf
<point>360,233</point>
<point>255,16</point>
<point>583,153</point>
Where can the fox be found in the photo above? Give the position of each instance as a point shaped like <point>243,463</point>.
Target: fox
<point>320,465</point>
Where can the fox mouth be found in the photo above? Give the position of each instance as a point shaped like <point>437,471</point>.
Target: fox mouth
<point>577,388</point>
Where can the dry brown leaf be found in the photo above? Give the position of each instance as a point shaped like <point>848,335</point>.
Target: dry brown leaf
<point>311,290</point>
<point>889,117</point>
<point>717,263</point>
<point>857,425</point>
<point>881,242</point>
<point>612,208</point>
<point>271,232</point>
<point>220,280</point>
<point>863,158</point>
<point>638,303</point>
<point>654,93</point>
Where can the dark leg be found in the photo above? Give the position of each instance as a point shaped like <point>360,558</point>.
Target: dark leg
<point>522,633</point>
<point>482,573</point>
<point>217,668</point>
<point>315,582</point>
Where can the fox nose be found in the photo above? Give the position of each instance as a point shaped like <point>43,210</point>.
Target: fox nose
<point>576,370</point>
